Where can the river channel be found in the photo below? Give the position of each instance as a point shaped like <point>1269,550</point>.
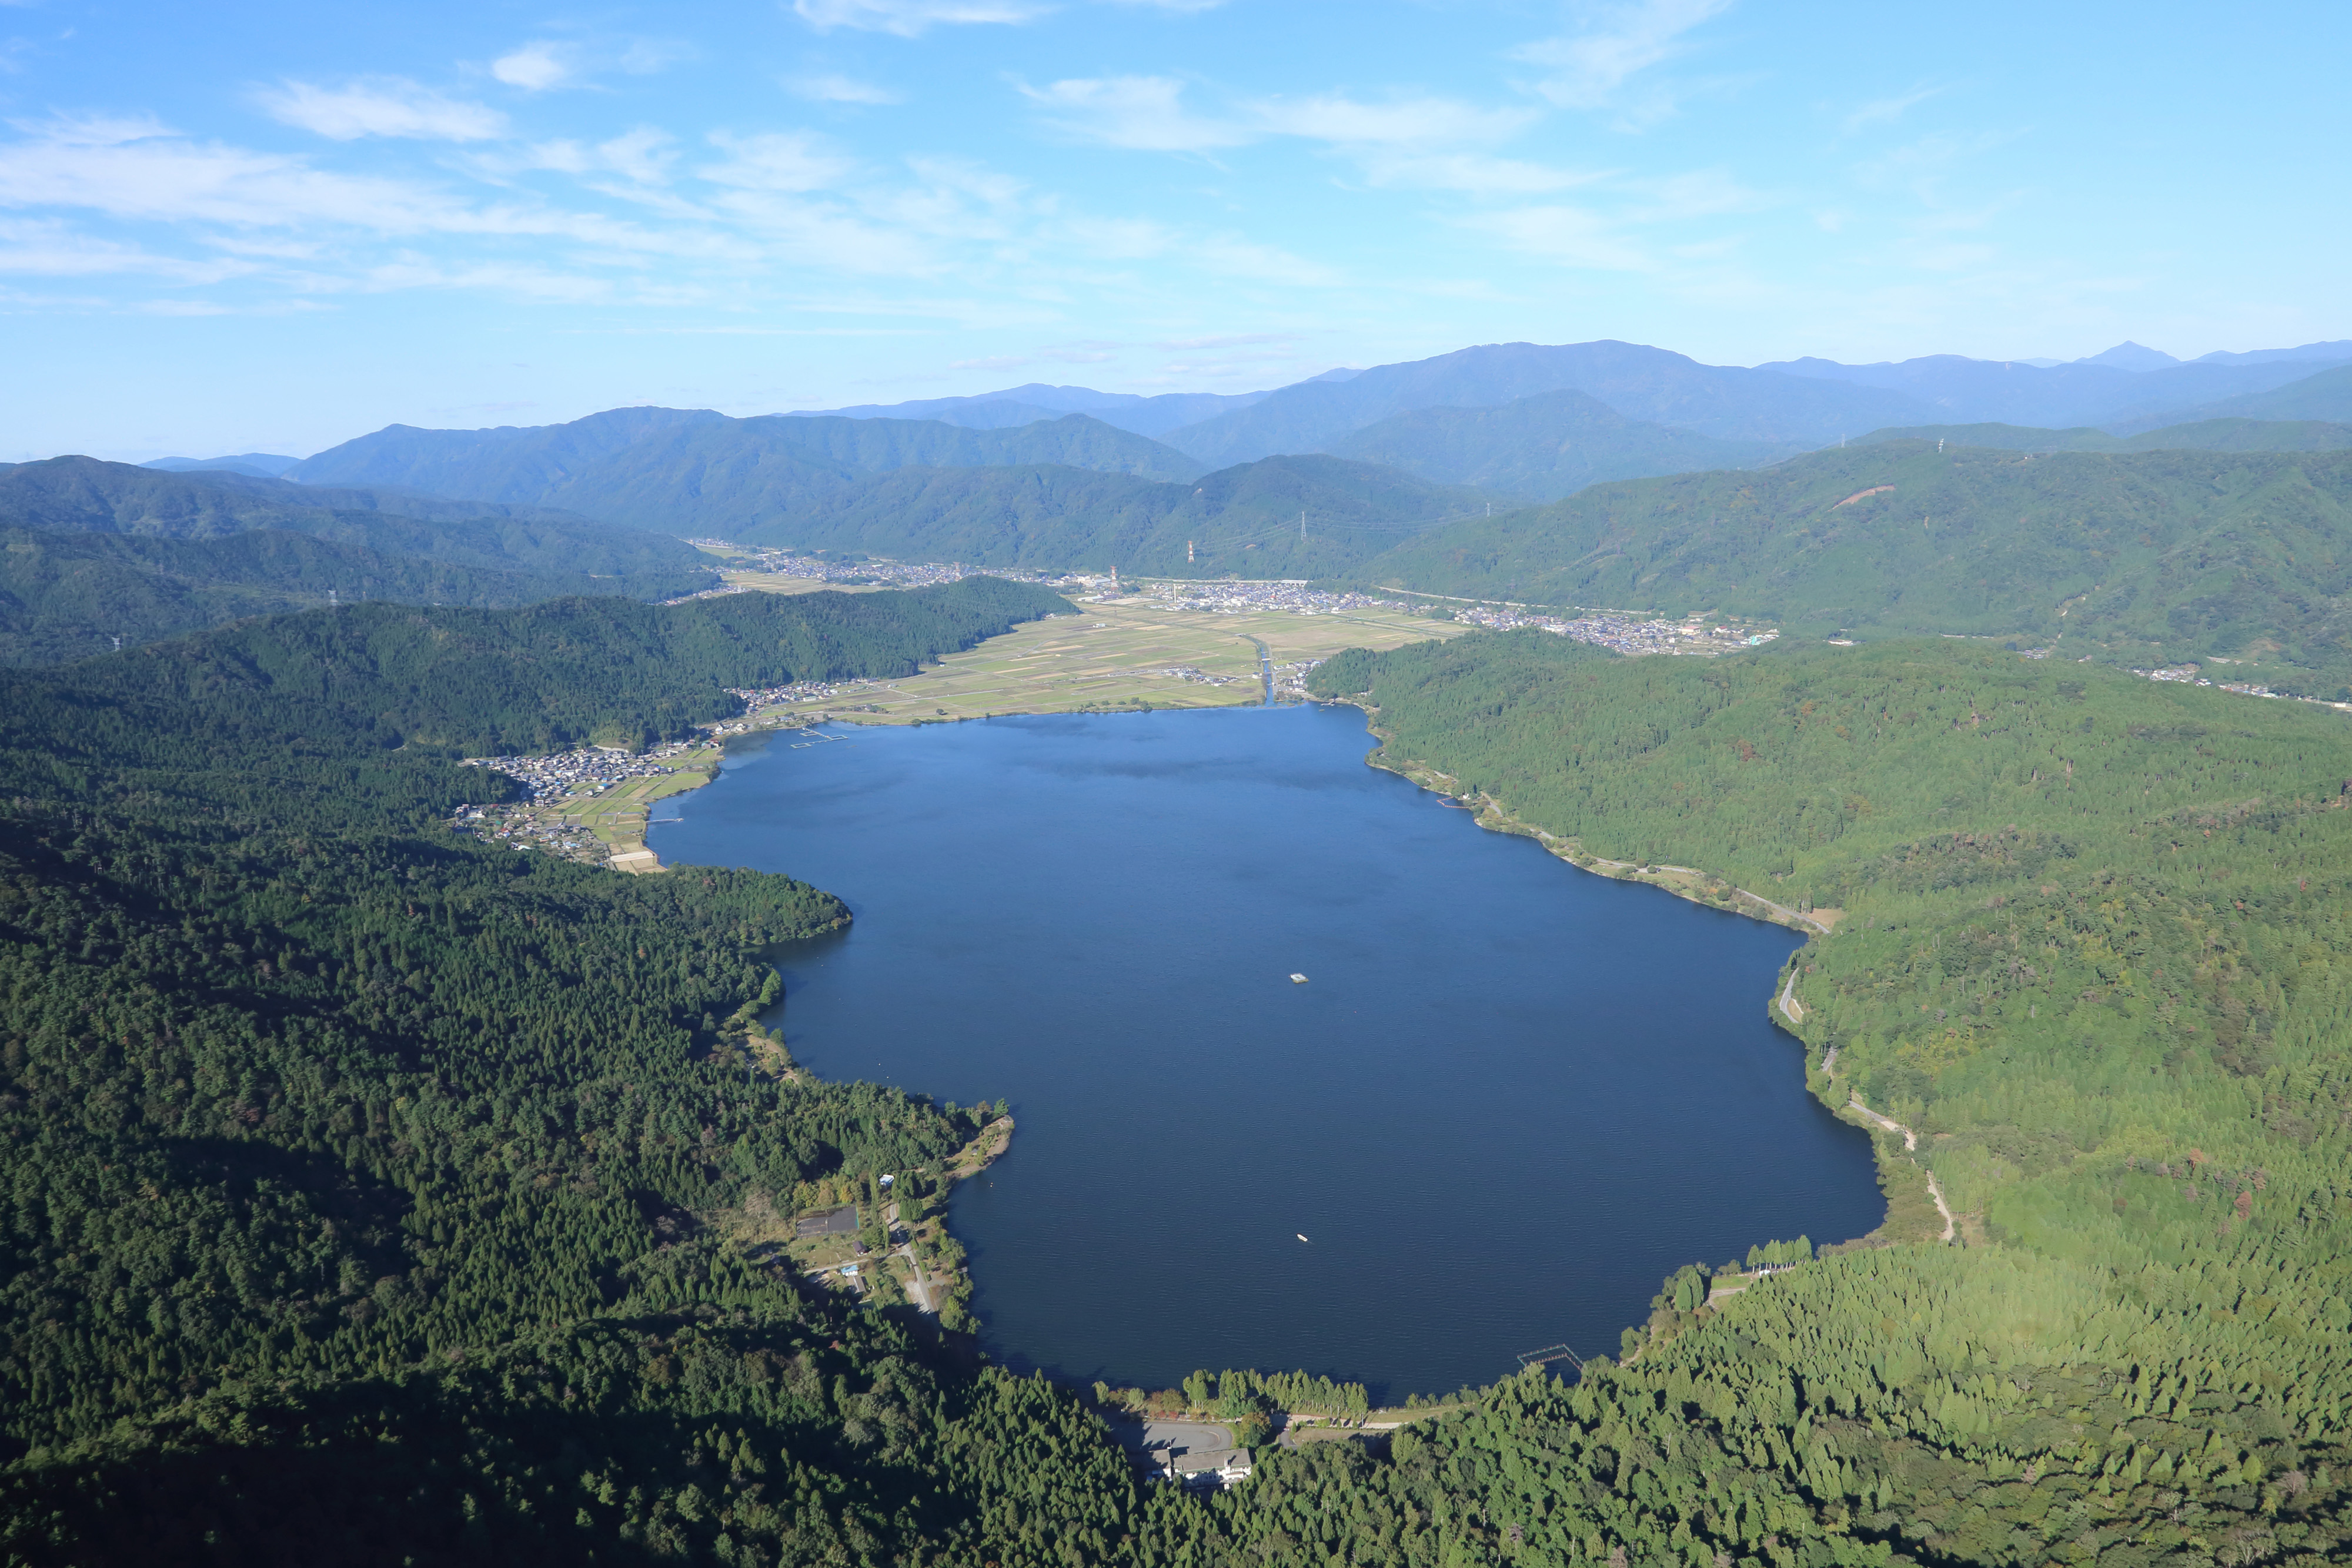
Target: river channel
<point>1509,1098</point>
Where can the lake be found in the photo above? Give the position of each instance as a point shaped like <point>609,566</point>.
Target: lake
<point>1510,1097</point>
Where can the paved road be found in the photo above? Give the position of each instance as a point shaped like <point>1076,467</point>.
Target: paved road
<point>1789,1007</point>
<point>1910,1141</point>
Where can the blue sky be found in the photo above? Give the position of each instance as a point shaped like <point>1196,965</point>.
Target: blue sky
<point>265,226</point>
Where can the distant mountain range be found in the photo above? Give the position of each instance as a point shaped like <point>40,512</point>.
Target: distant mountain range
<point>692,471</point>
<point>1967,391</point>
<point>1057,478</point>
<point>258,465</point>
<point>1290,516</point>
<point>93,552</point>
<point>1543,448</point>
<point>1025,404</point>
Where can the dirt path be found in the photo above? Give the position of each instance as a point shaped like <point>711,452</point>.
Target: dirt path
<point>916,1285</point>
<point>1911,1144</point>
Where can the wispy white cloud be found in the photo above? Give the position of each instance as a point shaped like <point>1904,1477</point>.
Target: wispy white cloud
<point>774,161</point>
<point>1419,123</point>
<point>139,170</point>
<point>913,18</point>
<point>1143,114</point>
<point>1886,110</point>
<point>1587,69</point>
<point>1474,175</point>
<point>1565,235</point>
<point>1147,114</point>
<point>51,248</point>
<point>381,106</point>
<point>1699,194</point>
<point>1232,257</point>
<point>1227,341</point>
<point>832,89</point>
<point>643,155</point>
<point>1080,354</point>
<point>535,67</point>
<point>1922,165</point>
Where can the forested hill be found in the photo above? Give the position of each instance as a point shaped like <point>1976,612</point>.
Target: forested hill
<point>1543,448</point>
<point>377,677</point>
<point>2095,949</point>
<point>98,551</point>
<point>379,1198</point>
<point>1282,516</point>
<point>698,472</point>
<point>2203,435</point>
<point>67,596</point>
<point>2145,557</point>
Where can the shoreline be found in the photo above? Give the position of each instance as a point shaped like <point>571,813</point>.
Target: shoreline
<point>1695,886</point>
<point>954,1279</point>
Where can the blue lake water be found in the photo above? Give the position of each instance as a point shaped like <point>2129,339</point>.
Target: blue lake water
<point>1510,1098</point>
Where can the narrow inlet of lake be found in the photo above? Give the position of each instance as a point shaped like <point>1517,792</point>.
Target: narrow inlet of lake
<point>1510,1098</point>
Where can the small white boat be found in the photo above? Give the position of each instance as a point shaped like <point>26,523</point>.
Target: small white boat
<point>1302,1236</point>
<point>1297,979</point>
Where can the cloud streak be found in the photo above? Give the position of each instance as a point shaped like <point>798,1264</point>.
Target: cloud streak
<point>1140,114</point>
<point>913,18</point>
<point>380,105</point>
<point>1588,70</point>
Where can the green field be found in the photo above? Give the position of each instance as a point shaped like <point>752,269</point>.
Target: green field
<point>1114,656</point>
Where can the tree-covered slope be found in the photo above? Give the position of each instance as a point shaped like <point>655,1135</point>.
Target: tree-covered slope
<point>2144,556</point>
<point>98,551</point>
<point>85,495</point>
<point>1243,521</point>
<point>376,1195</point>
<point>469,683</point>
<point>691,472</point>
<point>1542,447</point>
<point>2326,396</point>
<point>753,475</point>
<point>2093,950</point>
<point>2204,435</point>
<point>66,596</point>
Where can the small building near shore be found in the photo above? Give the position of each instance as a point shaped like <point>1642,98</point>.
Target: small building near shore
<point>1213,1468</point>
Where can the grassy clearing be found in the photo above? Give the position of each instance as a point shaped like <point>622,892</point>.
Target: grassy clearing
<point>616,817</point>
<point>1116,655</point>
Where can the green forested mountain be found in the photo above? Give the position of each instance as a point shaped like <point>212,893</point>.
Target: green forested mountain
<point>99,550</point>
<point>488,682</point>
<point>692,472</point>
<point>2204,435</point>
<point>366,1188</point>
<point>89,495</point>
<point>84,494</point>
<point>2145,556</point>
<point>2326,396</point>
<point>374,1194</point>
<point>1542,447</point>
<point>67,596</point>
<point>1242,521</point>
<point>2093,949</point>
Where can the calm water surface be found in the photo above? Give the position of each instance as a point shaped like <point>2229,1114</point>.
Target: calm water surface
<point>1511,1097</point>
